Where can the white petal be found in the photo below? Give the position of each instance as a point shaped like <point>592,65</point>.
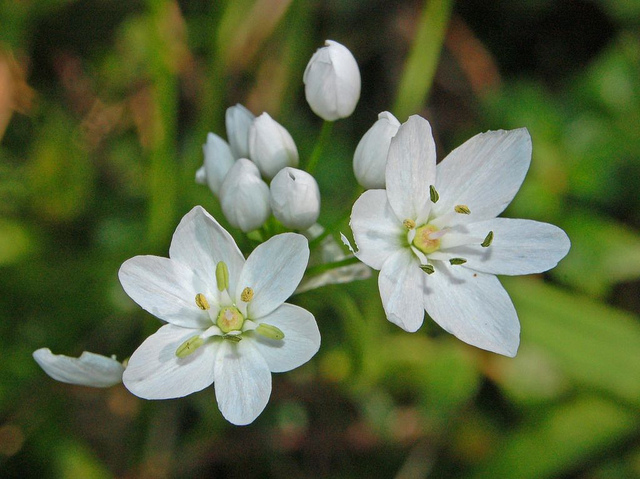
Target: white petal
<point>88,370</point>
<point>238,120</point>
<point>242,382</point>
<point>376,229</point>
<point>474,307</point>
<point>301,338</point>
<point>401,283</point>
<point>218,160</point>
<point>200,243</point>
<point>484,173</point>
<point>155,372</point>
<point>518,247</point>
<point>273,270</point>
<point>411,169</point>
<point>165,288</point>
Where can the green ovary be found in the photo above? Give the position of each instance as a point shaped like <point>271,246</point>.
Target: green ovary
<point>423,241</point>
<point>230,319</point>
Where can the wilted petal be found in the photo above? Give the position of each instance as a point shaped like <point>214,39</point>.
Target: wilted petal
<point>301,338</point>
<point>401,283</point>
<point>165,288</point>
<point>484,173</point>
<point>274,270</point>
<point>474,307</point>
<point>376,229</point>
<point>518,247</point>
<point>155,372</point>
<point>200,243</point>
<point>88,370</point>
<point>242,381</point>
<point>411,169</point>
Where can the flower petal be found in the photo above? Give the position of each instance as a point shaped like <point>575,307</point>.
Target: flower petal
<point>155,372</point>
<point>301,338</point>
<point>484,173</point>
<point>200,243</point>
<point>401,284</point>
<point>518,247</point>
<point>273,271</point>
<point>165,288</point>
<point>242,382</point>
<point>474,307</point>
<point>376,229</point>
<point>411,168</point>
<point>88,370</point>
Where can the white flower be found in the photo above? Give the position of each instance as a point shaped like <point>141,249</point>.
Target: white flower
<point>295,198</point>
<point>244,196</point>
<point>218,160</point>
<point>370,158</point>
<point>238,121</point>
<point>435,238</point>
<point>332,82</point>
<point>88,370</point>
<point>271,147</point>
<point>227,319</point>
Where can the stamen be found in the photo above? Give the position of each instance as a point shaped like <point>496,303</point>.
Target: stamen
<point>457,261</point>
<point>222,276</point>
<point>189,346</point>
<point>488,240</point>
<point>462,209</point>
<point>409,224</point>
<point>427,268</point>
<point>232,338</point>
<point>201,302</point>
<point>246,295</point>
<point>433,193</point>
<point>269,331</point>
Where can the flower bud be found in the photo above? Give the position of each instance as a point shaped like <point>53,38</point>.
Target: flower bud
<point>244,196</point>
<point>218,160</point>
<point>271,147</point>
<point>332,82</point>
<point>370,158</point>
<point>238,121</point>
<point>295,198</point>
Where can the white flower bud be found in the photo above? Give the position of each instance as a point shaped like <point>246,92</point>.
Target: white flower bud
<point>295,198</point>
<point>332,82</point>
<point>370,158</point>
<point>271,147</point>
<point>238,121</point>
<point>244,196</point>
<point>218,160</point>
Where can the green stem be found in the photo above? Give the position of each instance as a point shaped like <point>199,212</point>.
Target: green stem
<point>321,268</point>
<point>323,139</point>
<point>421,64</point>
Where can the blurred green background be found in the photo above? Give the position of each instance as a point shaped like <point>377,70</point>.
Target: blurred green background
<point>104,106</point>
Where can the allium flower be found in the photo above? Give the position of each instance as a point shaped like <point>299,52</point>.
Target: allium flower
<point>218,160</point>
<point>271,147</point>
<point>88,370</point>
<point>227,320</point>
<point>244,196</point>
<point>332,82</point>
<point>434,235</point>
<point>238,120</point>
<point>370,157</point>
<point>295,198</point>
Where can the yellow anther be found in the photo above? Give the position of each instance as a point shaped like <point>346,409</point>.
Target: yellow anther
<point>189,346</point>
<point>269,331</point>
<point>462,209</point>
<point>487,240</point>
<point>201,302</point>
<point>409,224</point>
<point>246,295</point>
<point>222,276</point>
